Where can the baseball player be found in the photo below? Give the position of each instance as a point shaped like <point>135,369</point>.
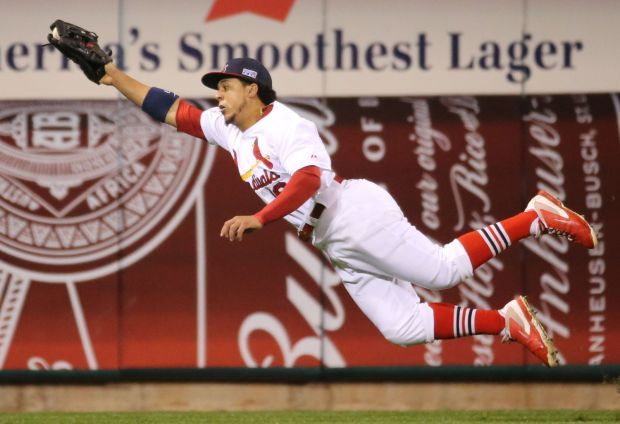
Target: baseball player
<point>378,254</point>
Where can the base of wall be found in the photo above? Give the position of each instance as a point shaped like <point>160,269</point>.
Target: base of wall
<point>312,396</point>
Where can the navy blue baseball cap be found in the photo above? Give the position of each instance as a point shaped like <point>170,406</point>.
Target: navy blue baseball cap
<point>244,68</point>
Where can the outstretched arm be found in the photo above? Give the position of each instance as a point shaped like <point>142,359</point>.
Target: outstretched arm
<point>81,46</point>
<point>134,90</point>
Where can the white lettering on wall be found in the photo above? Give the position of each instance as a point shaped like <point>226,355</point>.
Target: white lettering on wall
<point>319,345</point>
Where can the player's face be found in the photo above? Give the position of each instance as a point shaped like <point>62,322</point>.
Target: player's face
<point>232,96</point>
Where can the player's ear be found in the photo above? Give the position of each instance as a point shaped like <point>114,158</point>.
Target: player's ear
<point>253,90</point>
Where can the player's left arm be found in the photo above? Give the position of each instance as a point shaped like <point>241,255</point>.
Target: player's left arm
<point>160,104</point>
<point>303,185</point>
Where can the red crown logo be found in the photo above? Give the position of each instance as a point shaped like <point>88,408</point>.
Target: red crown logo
<point>274,9</point>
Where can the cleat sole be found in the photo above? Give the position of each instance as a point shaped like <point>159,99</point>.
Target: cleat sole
<point>552,353</point>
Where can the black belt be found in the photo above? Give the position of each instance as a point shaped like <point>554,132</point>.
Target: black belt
<point>306,231</point>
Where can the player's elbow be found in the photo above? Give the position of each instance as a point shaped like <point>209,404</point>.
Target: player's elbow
<point>310,178</point>
<point>315,184</point>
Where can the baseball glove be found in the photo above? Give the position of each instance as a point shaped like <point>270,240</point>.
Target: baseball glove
<point>80,46</point>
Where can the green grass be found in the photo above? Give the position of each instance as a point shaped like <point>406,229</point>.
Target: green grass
<point>285,417</point>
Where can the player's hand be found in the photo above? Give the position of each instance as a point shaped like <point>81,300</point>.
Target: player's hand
<point>234,228</point>
<point>107,78</point>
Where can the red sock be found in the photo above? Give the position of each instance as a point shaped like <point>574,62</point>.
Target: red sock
<point>481,245</point>
<point>453,321</point>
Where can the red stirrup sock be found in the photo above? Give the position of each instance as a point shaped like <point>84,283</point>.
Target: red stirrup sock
<point>453,321</point>
<point>481,245</point>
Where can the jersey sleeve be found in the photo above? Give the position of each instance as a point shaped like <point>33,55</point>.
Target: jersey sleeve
<point>303,185</point>
<point>208,125</point>
<point>188,120</point>
<point>303,147</point>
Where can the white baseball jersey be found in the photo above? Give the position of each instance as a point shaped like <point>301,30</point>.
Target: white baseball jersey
<point>268,153</point>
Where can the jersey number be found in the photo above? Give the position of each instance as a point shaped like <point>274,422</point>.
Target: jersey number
<point>277,189</point>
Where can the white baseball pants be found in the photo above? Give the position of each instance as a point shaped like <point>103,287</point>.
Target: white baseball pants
<point>378,254</point>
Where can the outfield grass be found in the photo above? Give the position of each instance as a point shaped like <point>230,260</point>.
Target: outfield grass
<point>316,417</point>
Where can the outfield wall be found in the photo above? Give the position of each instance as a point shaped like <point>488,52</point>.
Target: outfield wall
<point>313,397</point>
<point>111,257</point>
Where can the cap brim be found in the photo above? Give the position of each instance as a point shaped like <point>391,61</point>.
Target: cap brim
<point>213,78</point>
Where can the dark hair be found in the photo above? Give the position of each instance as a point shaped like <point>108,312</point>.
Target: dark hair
<point>265,94</point>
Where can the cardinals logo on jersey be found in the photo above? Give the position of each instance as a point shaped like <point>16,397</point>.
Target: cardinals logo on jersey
<point>245,176</point>
<point>259,156</point>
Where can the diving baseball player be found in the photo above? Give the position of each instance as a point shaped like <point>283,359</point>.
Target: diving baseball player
<point>378,254</point>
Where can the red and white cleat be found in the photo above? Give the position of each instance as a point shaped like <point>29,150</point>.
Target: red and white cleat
<point>555,218</point>
<point>523,327</point>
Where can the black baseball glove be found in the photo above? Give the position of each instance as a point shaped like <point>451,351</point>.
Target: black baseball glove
<point>80,46</point>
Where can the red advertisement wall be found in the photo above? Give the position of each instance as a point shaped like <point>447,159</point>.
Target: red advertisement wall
<point>110,255</point>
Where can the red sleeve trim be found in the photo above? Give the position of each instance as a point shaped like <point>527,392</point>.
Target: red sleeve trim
<point>188,120</point>
<point>302,186</point>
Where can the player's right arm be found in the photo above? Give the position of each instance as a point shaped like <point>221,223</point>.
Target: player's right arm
<point>135,91</point>
<point>81,46</point>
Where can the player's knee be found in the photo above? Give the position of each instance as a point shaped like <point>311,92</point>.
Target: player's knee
<point>447,281</point>
<point>455,266</point>
<point>400,337</point>
<point>459,260</point>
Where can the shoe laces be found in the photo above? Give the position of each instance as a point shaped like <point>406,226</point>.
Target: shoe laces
<point>505,335</point>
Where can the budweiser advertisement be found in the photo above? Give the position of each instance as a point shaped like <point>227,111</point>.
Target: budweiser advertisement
<point>325,48</point>
<point>110,255</point>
